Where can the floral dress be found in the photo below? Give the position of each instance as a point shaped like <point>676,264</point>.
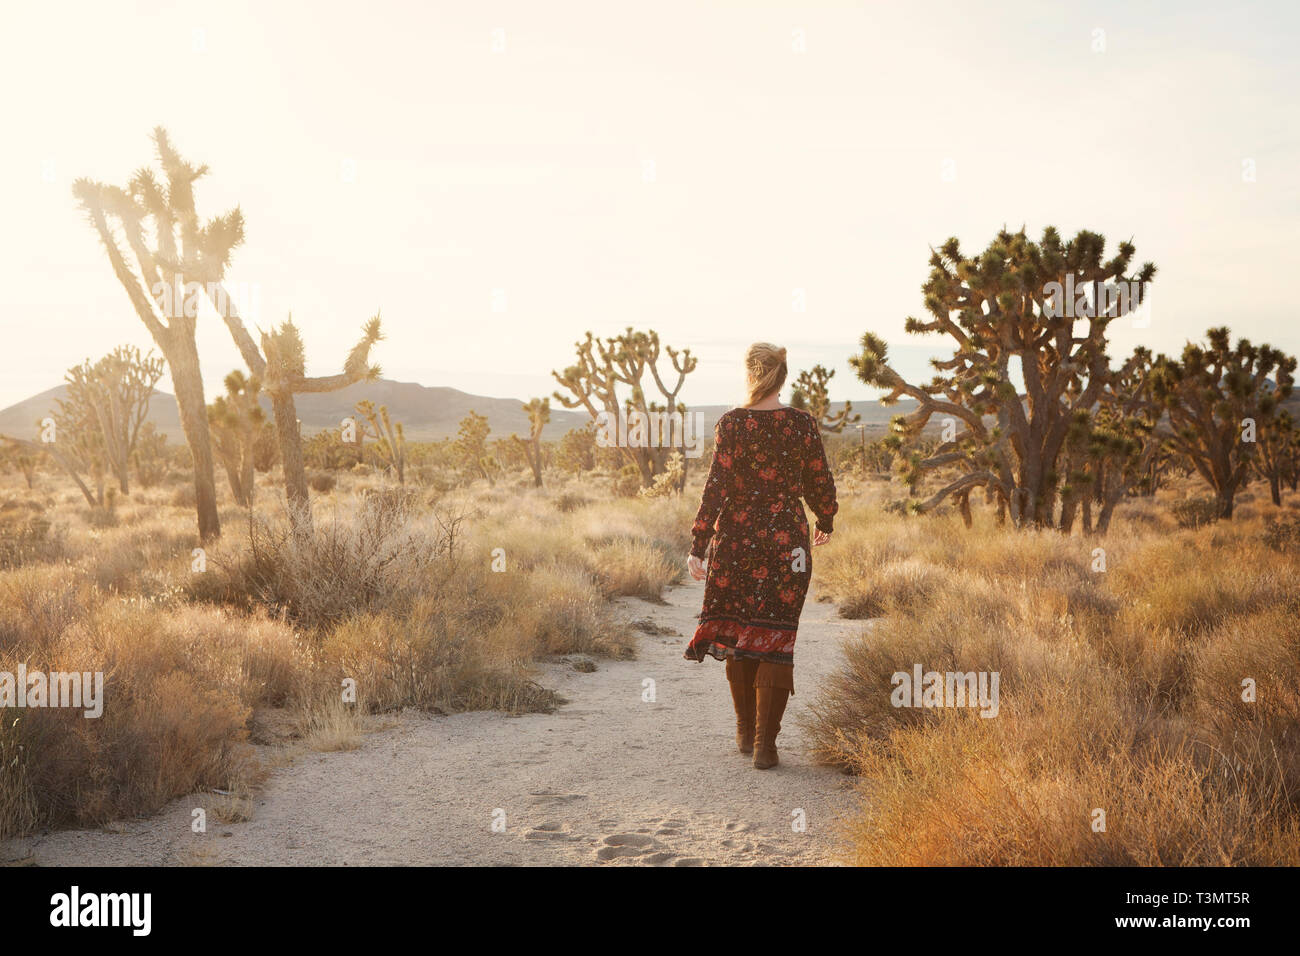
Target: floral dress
<point>752,529</point>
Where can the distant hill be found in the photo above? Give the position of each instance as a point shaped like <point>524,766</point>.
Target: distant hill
<point>427,413</point>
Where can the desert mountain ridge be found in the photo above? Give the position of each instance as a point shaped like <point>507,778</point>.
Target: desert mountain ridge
<point>427,412</point>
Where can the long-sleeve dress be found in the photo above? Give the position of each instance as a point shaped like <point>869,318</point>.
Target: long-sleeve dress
<point>752,529</point>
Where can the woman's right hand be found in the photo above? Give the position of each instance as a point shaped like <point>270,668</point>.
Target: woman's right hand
<point>697,567</point>
<point>820,537</point>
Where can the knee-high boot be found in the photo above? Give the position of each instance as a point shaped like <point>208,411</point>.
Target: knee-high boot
<point>773,685</point>
<point>740,675</point>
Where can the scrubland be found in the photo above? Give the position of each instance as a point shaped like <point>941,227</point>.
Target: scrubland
<point>1123,674</point>
<point>1123,734</point>
<point>418,598</point>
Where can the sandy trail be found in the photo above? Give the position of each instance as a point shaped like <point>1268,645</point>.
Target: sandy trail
<point>606,779</point>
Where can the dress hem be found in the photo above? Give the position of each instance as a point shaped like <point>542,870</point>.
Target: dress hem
<point>718,638</point>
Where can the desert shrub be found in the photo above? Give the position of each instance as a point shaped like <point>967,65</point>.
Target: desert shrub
<point>1194,512</point>
<point>627,482</point>
<point>179,684</point>
<point>26,537</point>
<point>322,481</point>
<point>633,568</point>
<point>1283,534</point>
<point>378,555</point>
<point>570,615</point>
<point>667,482</point>
<point>569,502</point>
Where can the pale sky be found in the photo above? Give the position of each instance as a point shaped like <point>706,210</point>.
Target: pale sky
<point>680,166</point>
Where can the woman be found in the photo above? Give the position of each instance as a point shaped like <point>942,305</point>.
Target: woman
<point>752,532</point>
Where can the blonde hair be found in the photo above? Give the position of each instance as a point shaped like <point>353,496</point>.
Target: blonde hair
<point>765,370</point>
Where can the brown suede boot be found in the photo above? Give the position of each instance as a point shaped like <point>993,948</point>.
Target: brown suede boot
<point>740,674</point>
<point>774,683</point>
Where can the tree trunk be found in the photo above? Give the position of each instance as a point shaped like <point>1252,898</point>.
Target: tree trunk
<point>295,471</point>
<point>534,452</point>
<point>236,480</point>
<point>246,477</point>
<point>1107,509</point>
<point>1069,509</point>
<point>1275,488</point>
<point>121,471</point>
<point>183,356</point>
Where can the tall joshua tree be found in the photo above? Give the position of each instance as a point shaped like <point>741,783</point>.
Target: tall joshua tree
<point>811,394</point>
<point>1220,402</point>
<point>157,222</point>
<point>1014,305</point>
<point>606,364</point>
<point>539,413</point>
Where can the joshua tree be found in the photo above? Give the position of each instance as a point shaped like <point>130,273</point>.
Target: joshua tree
<point>183,250</point>
<point>77,448</point>
<point>471,445</point>
<point>1011,305</point>
<point>94,430</point>
<point>112,396</point>
<point>1290,469</point>
<point>539,413</point>
<point>810,394</point>
<point>390,438</point>
<point>605,364</point>
<point>280,365</point>
<point>1221,405</point>
<point>22,459</point>
<point>236,420</point>
<point>1111,449</point>
<point>1279,446</point>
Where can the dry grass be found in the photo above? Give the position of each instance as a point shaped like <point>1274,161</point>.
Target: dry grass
<point>436,601</point>
<point>1121,690</point>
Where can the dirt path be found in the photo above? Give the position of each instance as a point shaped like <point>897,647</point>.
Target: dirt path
<point>607,778</point>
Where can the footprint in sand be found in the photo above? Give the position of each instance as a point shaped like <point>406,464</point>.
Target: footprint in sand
<point>550,831</point>
<point>551,798</point>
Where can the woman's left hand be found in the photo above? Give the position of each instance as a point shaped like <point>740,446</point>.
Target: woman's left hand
<point>697,567</point>
<point>820,537</point>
